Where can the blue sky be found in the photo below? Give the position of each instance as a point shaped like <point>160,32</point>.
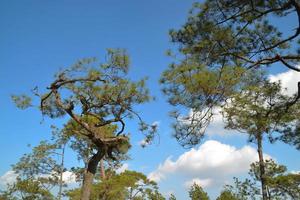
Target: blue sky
<point>39,37</point>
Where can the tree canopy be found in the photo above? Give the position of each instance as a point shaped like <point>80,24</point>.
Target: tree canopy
<point>217,47</point>
<point>97,97</point>
<point>196,192</point>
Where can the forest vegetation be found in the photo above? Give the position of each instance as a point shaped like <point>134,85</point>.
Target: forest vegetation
<point>221,61</point>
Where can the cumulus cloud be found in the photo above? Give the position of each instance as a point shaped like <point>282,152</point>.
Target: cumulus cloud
<point>288,79</point>
<point>205,183</point>
<point>69,177</point>
<point>295,172</point>
<point>10,177</point>
<point>210,163</point>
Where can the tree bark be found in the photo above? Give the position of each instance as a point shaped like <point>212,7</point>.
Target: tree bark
<point>89,175</point>
<point>61,172</point>
<point>262,167</point>
<point>102,170</point>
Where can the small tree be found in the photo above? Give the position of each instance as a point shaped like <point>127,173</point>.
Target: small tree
<point>39,172</point>
<point>279,183</point>
<point>28,189</point>
<point>129,185</point>
<point>197,193</point>
<point>95,97</point>
<point>259,111</point>
<point>227,195</point>
<point>172,197</point>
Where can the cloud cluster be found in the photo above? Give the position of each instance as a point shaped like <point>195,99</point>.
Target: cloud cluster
<point>210,163</point>
<point>202,182</point>
<point>10,177</point>
<point>288,79</point>
<point>69,177</point>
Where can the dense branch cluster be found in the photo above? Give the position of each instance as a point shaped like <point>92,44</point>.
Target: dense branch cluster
<point>102,95</point>
<point>221,46</point>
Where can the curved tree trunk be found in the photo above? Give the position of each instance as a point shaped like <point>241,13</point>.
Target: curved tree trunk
<point>262,167</point>
<point>89,175</point>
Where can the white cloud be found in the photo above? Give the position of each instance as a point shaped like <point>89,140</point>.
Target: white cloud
<point>123,168</point>
<point>8,178</point>
<point>216,126</point>
<point>289,80</point>
<point>202,182</point>
<point>69,177</point>
<point>295,172</point>
<point>210,163</point>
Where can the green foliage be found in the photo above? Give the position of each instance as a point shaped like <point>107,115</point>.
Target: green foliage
<point>244,190</point>
<point>236,32</point>
<point>41,165</point>
<point>39,172</point>
<point>219,44</point>
<point>172,197</point>
<point>280,184</point>
<point>127,185</point>
<point>259,109</point>
<point>96,95</point>
<point>99,99</point>
<point>28,189</point>
<point>199,88</point>
<point>227,195</point>
<point>291,135</point>
<point>84,147</point>
<point>197,193</point>
<point>21,101</point>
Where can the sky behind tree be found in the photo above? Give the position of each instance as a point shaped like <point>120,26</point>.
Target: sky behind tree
<point>39,38</point>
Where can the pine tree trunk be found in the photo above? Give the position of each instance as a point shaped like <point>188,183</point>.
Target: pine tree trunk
<point>261,167</point>
<point>89,175</point>
<point>61,173</point>
<point>102,170</point>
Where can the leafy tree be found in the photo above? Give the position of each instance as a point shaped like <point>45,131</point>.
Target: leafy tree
<point>227,195</point>
<point>129,185</point>
<point>197,193</point>
<point>95,96</point>
<point>244,190</point>
<point>85,148</point>
<point>38,172</point>
<point>218,45</point>
<point>279,183</point>
<point>221,45</point>
<point>258,111</point>
<point>28,189</point>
